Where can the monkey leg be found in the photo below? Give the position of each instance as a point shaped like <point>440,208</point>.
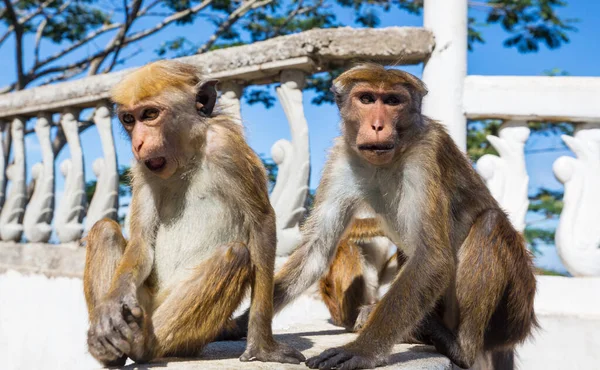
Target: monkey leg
<point>491,254</point>
<point>105,246</point>
<point>343,288</point>
<point>196,310</point>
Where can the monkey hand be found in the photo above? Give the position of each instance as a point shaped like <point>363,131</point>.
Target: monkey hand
<point>272,352</point>
<point>347,357</point>
<point>115,332</point>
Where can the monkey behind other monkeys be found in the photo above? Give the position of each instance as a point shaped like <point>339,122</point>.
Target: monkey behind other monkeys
<point>361,266</point>
<point>202,229</point>
<point>467,285</point>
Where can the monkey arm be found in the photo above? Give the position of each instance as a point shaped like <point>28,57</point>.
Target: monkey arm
<point>334,207</point>
<point>136,264</point>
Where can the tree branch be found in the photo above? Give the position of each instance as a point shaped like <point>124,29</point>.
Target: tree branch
<point>166,21</point>
<point>231,20</point>
<point>18,30</point>
<point>40,31</point>
<point>24,19</point>
<point>116,43</point>
<point>76,45</point>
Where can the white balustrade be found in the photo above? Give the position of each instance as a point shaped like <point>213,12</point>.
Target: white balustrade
<point>40,209</point>
<point>4,151</point>
<point>231,93</point>
<point>11,217</point>
<point>506,175</point>
<point>293,160</point>
<point>578,233</point>
<point>72,206</point>
<point>105,201</point>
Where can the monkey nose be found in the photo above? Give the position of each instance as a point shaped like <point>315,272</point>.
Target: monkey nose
<point>137,145</point>
<point>377,127</point>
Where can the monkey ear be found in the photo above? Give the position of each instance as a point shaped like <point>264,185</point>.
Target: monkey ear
<point>336,95</point>
<point>206,96</point>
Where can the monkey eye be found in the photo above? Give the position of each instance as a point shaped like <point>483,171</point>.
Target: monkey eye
<point>367,98</point>
<point>392,100</point>
<point>150,114</point>
<point>128,119</point>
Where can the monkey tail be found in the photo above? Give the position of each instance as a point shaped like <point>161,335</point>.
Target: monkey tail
<point>494,360</point>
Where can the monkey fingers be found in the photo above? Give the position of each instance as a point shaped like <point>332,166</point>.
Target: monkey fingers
<point>345,358</point>
<point>276,352</point>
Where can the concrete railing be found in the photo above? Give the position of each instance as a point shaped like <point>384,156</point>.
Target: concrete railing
<point>517,100</point>
<point>29,216</point>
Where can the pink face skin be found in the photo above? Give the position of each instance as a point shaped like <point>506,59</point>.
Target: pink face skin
<point>376,112</point>
<point>150,143</point>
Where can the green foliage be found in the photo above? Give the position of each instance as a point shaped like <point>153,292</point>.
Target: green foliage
<point>531,23</point>
<point>124,184</point>
<point>77,25</point>
<point>477,133</point>
<point>271,168</point>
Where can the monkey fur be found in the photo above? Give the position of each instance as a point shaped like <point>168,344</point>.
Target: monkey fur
<point>467,285</point>
<point>202,229</point>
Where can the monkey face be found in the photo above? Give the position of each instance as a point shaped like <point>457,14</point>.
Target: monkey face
<point>374,117</point>
<point>152,143</point>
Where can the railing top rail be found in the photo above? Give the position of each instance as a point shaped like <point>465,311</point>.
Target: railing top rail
<point>527,98</point>
<point>257,63</point>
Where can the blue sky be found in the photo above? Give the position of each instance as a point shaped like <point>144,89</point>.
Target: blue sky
<point>264,127</point>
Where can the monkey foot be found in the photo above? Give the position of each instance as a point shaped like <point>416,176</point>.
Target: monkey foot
<point>344,359</point>
<point>278,352</point>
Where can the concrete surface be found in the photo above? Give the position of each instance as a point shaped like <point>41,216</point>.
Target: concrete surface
<point>43,325</point>
<point>568,310</point>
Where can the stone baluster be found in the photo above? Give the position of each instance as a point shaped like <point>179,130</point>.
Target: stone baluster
<point>40,209</point>
<point>506,175</point>
<point>72,206</point>
<point>4,159</point>
<point>293,158</point>
<point>231,93</point>
<point>578,232</point>
<point>11,218</point>
<point>105,202</point>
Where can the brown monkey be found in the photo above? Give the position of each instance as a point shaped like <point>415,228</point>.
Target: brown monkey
<point>202,229</point>
<point>360,267</point>
<point>468,284</point>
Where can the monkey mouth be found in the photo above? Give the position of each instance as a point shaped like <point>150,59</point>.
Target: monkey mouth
<point>156,164</point>
<point>378,148</point>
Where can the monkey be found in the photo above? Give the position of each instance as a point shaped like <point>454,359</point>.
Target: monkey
<point>202,230</point>
<point>467,285</point>
<point>362,264</point>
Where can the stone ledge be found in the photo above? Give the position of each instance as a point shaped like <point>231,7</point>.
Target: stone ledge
<point>224,355</point>
<point>52,260</point>
<point>257,63</point>
<point>304,325</point>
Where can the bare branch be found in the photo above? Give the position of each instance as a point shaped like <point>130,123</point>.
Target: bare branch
<point>116,43</point>
<point>8,88</point>
<point>231,20</point>
<point>78,44</point>
<point>168,20</point>
<point>40,31</point>
<point>25,19</point>
<point>293,14</point>
<point>67,74</point>
<point>18,30</point>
